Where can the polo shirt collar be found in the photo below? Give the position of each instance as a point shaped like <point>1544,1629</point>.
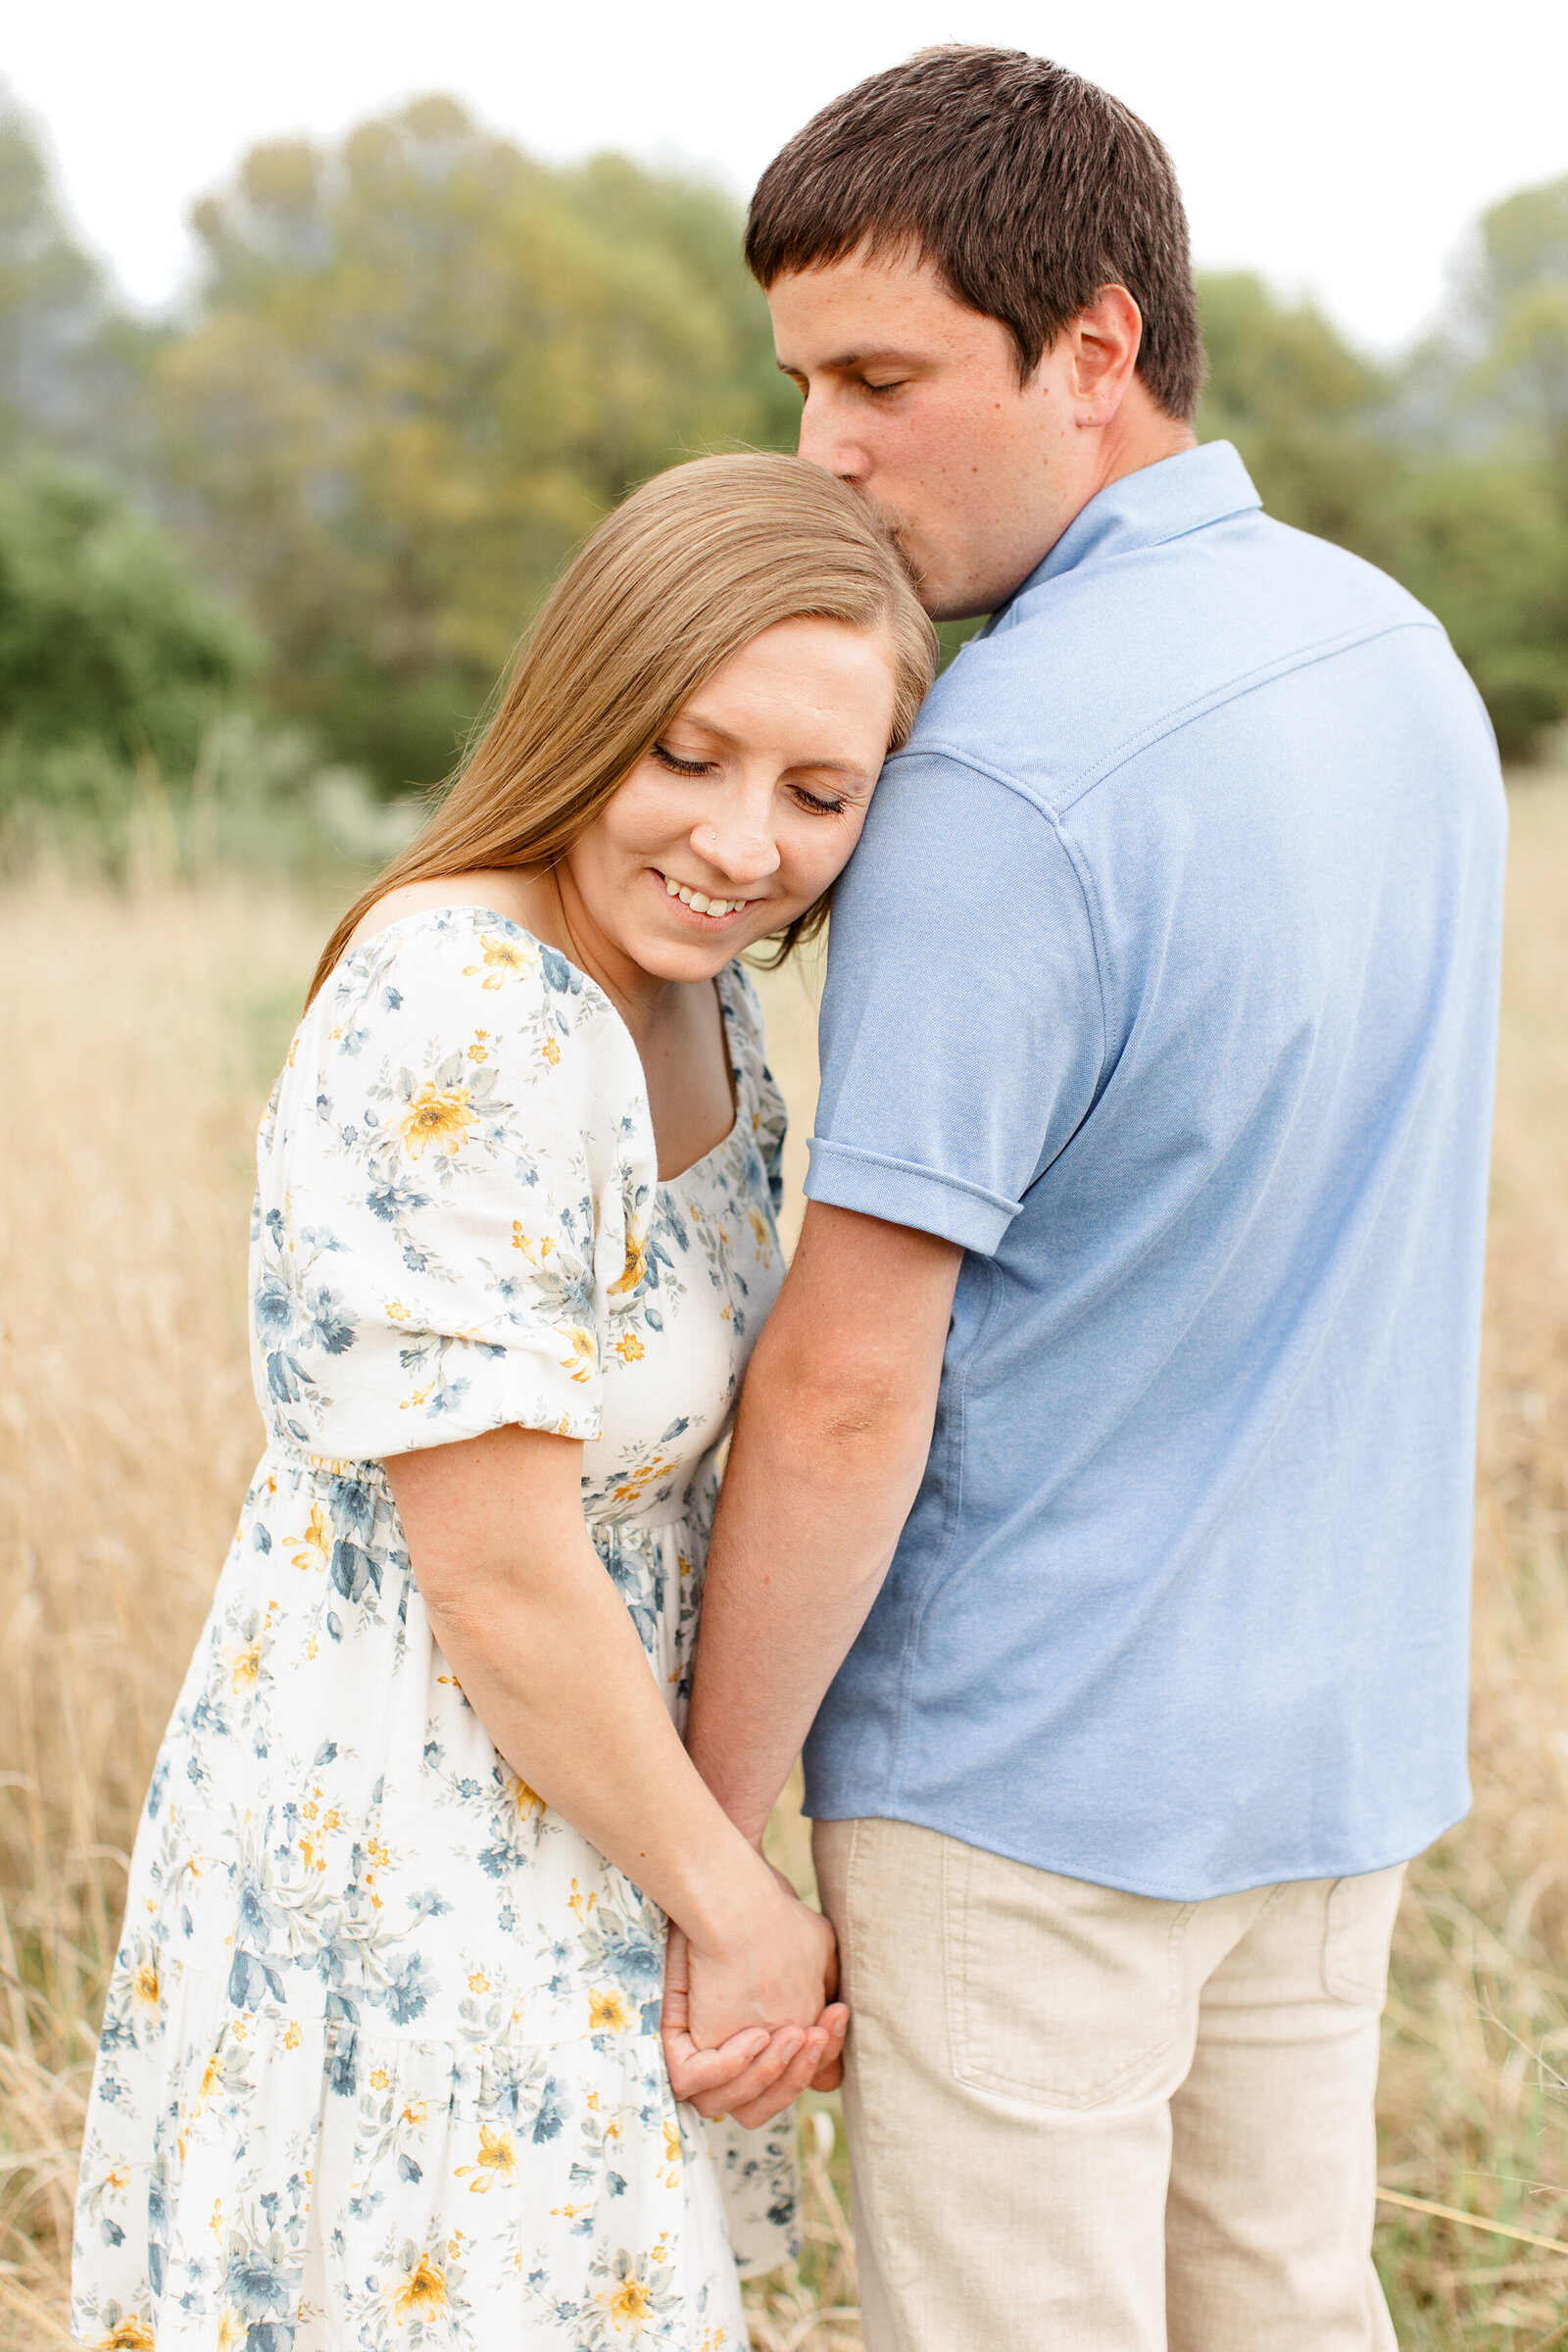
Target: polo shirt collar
<point>1160,502</point>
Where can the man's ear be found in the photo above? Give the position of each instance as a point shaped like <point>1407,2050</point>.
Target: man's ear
<point>1103,355</point>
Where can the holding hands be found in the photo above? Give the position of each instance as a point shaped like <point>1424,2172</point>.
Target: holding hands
<point>749,2017</point>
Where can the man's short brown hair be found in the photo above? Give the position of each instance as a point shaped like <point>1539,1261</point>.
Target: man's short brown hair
<point>1027,188</point>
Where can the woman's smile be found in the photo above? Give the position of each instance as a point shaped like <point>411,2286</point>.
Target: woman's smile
<point>709,909</point>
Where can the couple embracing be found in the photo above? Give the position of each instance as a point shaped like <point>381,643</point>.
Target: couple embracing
<point>1096,1511</point>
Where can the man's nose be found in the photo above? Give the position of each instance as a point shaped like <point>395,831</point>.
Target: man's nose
<point>826,442</point>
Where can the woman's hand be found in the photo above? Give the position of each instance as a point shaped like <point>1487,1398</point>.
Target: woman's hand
<point>749,2022</point>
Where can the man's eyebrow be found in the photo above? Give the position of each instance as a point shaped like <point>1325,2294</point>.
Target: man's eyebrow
<point>857,359</point>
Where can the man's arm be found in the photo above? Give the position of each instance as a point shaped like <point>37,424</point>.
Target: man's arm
<point>830,1446</point>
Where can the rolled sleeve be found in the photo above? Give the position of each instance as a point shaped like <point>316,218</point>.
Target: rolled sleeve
<point>962,1035</point>
<point>906,1195</point>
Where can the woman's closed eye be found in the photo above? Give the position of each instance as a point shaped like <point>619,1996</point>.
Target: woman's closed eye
<point>683,767</point>
<point>819,804</point>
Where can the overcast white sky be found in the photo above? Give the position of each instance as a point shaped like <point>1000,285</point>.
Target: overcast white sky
<point>1340,148</point>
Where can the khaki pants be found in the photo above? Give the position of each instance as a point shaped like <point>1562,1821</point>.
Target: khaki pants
<point>1088,2122</point>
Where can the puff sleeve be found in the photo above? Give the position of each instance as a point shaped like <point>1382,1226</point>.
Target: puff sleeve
<point>454,1175</point>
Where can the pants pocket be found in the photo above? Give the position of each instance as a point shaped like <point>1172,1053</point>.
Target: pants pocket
<point>1057,1991</point>
<point>1359,1928</point>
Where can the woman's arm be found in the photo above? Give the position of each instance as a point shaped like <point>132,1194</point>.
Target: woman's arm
<point>545,1651</point>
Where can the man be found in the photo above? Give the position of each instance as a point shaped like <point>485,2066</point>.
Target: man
<point>1102,1480</point>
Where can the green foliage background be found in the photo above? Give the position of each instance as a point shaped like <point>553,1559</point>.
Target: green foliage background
<point>417,367</point>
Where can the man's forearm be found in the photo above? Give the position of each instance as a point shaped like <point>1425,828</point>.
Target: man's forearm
<point>830,1448</point>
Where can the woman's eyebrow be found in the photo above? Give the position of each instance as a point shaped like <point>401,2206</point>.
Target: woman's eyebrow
<point>829,765</point>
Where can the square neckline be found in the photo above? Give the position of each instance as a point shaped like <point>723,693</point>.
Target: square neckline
<point>509,924</point>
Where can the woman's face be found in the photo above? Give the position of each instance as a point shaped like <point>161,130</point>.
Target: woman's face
<point>746,807</point>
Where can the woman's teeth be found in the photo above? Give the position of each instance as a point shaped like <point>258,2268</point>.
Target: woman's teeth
<point>699,902</point>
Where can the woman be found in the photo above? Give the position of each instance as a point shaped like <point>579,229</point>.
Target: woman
<point>381,2063</point>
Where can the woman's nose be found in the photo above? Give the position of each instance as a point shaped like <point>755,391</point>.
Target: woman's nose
<point>739,850</point>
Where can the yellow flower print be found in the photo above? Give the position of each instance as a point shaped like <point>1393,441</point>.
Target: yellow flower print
<point>439,1115</point>
<point>551,1052</point>
<point>245,1666</point>
<point>291,2034</point>
<point>670,2164</point>
<point>128,2335</point>
<point>423,2292</point>
<point>231,2331</point>
<point>144,1986</point>
<point>480,1051</point>
<point>520,1241</point>
<point>609,2010</point>
<point>628,2304</point>
<point>527,1801</point>
<point>579,1902</point>
<point>636,1262</point>
<point>498,2158</point>
<point>645,1474</point>
<point>118,2178</point>
<point>397,1313</point>
<point>504,956</point>
<point>316,1540</point>
<point>380,2079</point>
<point>765,1239</point>
<point>413,2115</point>
<point>479,1982</point>
<point>630,1349</point>
<point>584,1350</point>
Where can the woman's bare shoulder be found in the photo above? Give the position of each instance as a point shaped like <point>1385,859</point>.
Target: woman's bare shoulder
<point>517,895</point>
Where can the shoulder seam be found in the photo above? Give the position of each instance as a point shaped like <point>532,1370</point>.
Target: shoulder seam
<point>1051,820</point>
<point>1169,723</point>
<point>1248,682</point>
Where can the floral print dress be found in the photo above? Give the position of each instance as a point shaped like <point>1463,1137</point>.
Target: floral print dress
<point>380,2064</point>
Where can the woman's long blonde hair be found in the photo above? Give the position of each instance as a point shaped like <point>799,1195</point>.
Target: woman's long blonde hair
<point>688,569</point>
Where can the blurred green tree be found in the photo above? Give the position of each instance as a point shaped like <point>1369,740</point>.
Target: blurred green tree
<point>105,638</point>
<point>422,366</point>
<point>53,300</point>
<point>1304,409</point>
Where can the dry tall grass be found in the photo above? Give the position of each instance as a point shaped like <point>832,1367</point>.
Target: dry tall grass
<point>139,1035</point>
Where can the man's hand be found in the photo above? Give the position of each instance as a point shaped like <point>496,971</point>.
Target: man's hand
<point>754,2075</point>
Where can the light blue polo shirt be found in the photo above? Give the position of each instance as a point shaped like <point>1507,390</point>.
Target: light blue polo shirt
<point>1164,980</point>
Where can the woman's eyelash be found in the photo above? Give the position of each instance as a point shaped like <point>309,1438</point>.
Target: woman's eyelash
<point>681,767</point>
<point>818,803</point>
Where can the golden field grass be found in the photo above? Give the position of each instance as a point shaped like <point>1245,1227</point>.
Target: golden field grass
<point>139,1039</point>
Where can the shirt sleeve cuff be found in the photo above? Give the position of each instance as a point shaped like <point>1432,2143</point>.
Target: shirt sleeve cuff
<point>845,1177</point>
